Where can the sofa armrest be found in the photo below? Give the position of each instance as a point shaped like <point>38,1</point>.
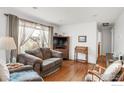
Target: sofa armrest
<point>57,54</point>
<point>28,59</point>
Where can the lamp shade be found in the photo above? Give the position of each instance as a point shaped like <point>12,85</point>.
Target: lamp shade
<point>7,43</point>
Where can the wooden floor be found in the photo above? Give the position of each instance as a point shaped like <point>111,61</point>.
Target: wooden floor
<point>70,71</point>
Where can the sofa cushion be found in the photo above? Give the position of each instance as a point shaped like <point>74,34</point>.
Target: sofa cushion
<point>50,63</point>
<point>47,64</point>
<point>36,52</point>
<point>56,60</point>
<point>46,53</point>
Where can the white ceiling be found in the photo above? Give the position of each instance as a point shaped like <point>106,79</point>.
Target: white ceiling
<point>72,15</point>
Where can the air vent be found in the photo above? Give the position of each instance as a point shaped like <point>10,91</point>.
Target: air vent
<point>105,24</point>
<point>35,7</point>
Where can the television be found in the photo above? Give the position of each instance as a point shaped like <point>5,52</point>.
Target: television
<point>59,42</point>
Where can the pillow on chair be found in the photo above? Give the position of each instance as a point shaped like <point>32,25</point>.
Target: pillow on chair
<point>4,72</point>
<point>111,72</point>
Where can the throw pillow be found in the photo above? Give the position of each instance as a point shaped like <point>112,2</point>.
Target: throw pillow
<point>35,52</point>
<point>46,53</point>
<point>4,72</point>
<point>111,72</point>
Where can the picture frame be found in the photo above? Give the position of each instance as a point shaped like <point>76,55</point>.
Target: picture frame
<point>82,38</point>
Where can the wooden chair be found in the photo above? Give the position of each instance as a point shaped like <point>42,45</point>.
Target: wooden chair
<point>96,74</point>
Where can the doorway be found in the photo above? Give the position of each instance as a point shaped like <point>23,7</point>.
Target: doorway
<point>105,36</point>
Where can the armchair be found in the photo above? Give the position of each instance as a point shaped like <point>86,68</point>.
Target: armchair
<point>95,73</point>
<point>99,73</point>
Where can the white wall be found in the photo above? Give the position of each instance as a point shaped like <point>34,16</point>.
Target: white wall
<point>2,31</point>
<point>56,29</point>
<point>75,30</point>
<point>119,35</point>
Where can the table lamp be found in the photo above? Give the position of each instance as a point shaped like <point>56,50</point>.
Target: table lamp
<point>7,43</point>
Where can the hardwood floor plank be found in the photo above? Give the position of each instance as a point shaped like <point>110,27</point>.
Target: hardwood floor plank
<point>70,71</point>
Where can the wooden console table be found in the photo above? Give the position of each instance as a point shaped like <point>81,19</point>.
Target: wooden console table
<point>83,50</point>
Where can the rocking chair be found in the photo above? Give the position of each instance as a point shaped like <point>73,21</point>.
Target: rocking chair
<point>111,73</point>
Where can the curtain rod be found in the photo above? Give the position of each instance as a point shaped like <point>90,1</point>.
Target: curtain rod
<point>30,21</point>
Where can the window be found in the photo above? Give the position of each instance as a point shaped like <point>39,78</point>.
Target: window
<point>32,35</point>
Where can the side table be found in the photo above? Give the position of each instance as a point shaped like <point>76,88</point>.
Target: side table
<point>83,50</point>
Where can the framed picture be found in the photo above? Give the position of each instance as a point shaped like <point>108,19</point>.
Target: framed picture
<point>82,38</point>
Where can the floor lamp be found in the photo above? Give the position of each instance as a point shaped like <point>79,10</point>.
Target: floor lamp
<point>7,43</point>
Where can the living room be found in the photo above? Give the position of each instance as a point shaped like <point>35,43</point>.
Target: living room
<point>45,42</point>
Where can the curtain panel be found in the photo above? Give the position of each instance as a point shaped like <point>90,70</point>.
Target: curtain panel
<point>26,29</point>
<point>12,31</point>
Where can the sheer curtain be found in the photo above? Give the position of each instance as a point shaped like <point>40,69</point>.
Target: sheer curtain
<point>32,32</point>
<point>50,43</point>
<point>26,29</point>
<point>45,37</point>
